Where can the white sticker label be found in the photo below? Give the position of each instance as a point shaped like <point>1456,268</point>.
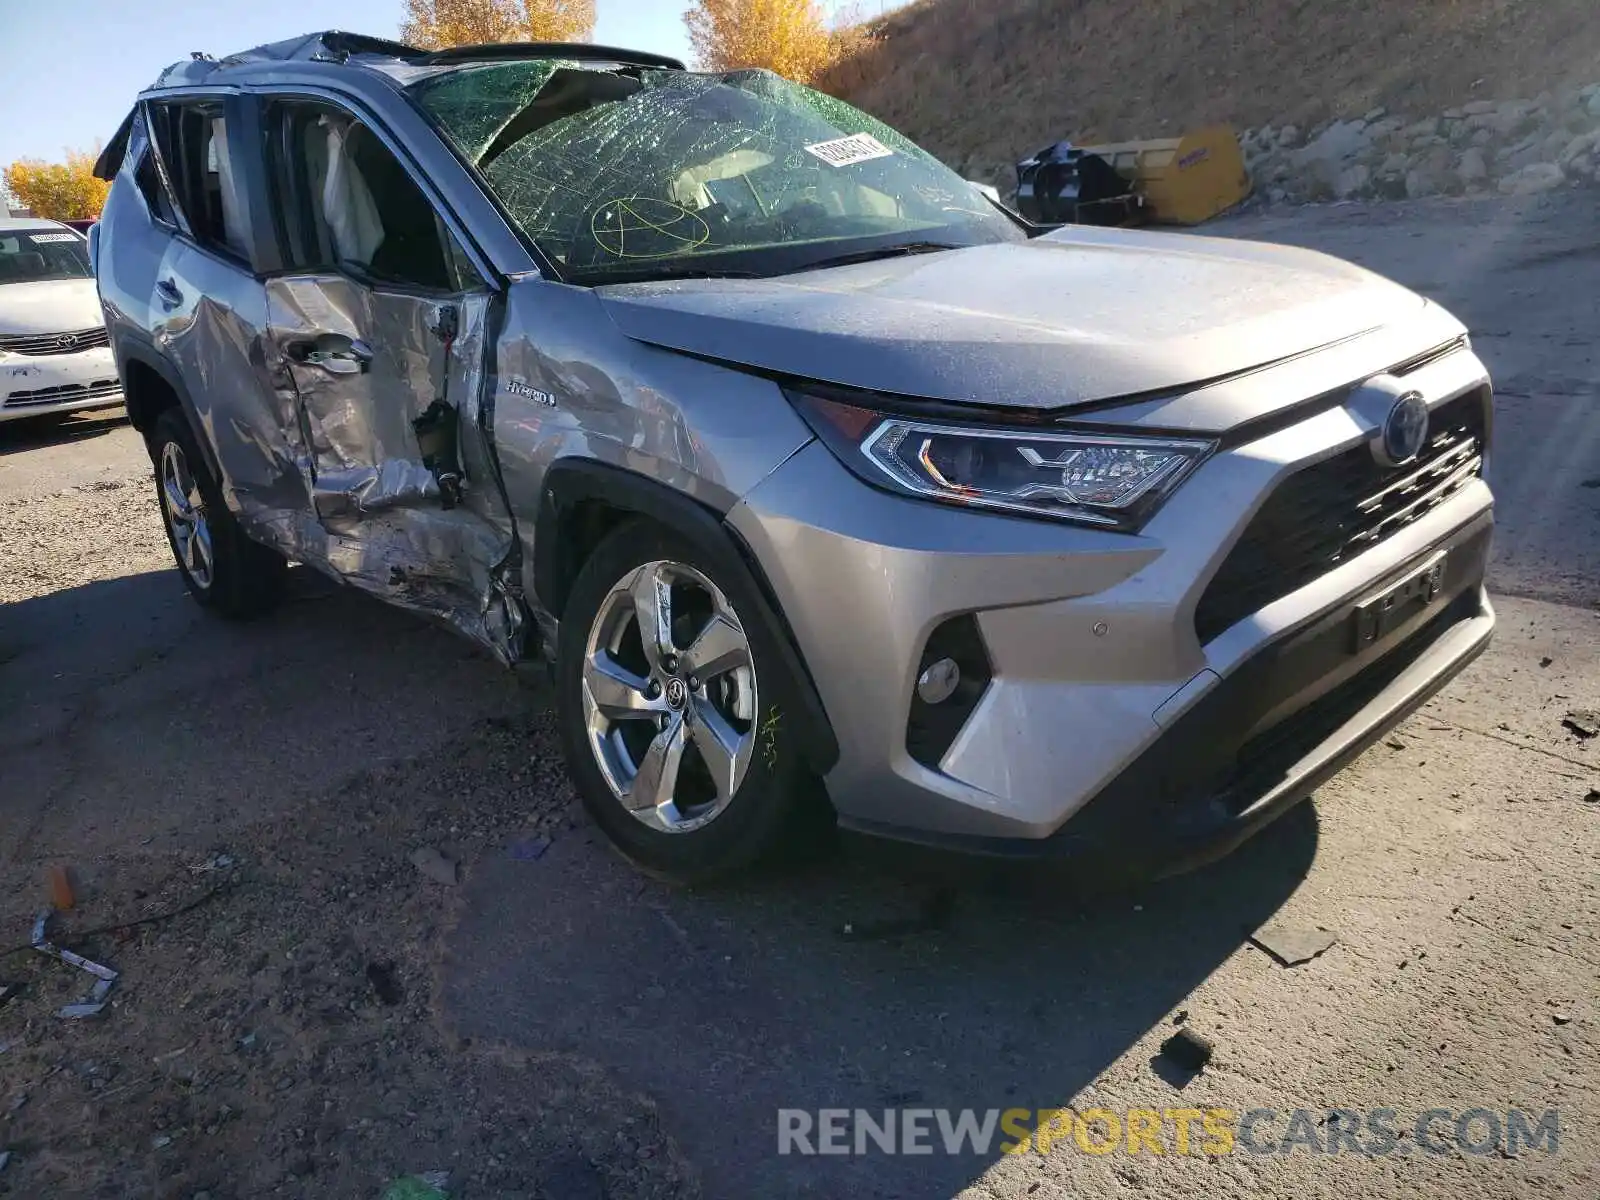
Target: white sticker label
<point>42,239</point>
<point>858,147</point>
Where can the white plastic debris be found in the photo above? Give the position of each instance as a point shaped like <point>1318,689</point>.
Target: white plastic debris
<point>104,976</point>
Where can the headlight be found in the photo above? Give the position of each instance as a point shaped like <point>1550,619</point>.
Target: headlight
<point>1113,481</point>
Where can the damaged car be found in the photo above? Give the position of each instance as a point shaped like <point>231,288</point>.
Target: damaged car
<point>822,481</point>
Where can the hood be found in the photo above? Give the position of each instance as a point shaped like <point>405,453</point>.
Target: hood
<point>49,306</point>
<point>1075,316</point>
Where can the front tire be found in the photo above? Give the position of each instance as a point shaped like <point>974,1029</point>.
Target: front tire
<point>665,695</point>
<point>222,568</point>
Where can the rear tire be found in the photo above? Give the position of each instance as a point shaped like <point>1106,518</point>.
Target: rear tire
<point>222,568</point>
<point>726,786</point>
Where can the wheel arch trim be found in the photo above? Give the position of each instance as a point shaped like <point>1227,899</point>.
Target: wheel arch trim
<point>572,482</point>
<point>131,349</point>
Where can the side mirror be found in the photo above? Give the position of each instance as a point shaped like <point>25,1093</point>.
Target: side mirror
<point>94,249</point>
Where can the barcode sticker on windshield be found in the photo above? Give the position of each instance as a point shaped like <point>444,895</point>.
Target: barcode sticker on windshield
<point>858,147</point>
<point>42,239</point>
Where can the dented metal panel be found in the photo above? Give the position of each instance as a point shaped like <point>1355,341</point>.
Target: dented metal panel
<point>355,368</point>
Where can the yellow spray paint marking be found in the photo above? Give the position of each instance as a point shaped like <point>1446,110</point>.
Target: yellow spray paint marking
<point>650,221</point>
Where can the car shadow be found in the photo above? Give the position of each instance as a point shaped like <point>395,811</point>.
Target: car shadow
<point>22,434</point>
<point>729,1005</point>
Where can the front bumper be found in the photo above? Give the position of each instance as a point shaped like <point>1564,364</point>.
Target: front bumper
<point>38,385</point>
<point>1083,743</point>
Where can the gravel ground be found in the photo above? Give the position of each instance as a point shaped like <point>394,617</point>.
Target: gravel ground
<point>329,1018</point>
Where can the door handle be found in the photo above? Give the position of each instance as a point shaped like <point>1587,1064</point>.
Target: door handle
<point>333,352</point>
<point>169,295</point>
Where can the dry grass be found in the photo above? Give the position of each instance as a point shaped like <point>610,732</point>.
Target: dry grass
<point>991,80</point>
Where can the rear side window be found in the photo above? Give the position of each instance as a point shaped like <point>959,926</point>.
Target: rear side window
<point>148,177</point>
<point>192,137</point>
<point>347,204</point>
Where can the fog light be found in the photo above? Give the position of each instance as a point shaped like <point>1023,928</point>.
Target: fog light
<point>952,675</point>
<point>938,683</point>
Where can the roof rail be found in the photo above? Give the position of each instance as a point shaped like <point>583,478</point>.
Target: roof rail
<point>579,51</point>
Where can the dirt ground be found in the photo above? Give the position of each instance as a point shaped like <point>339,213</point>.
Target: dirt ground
<point>322,1017</point>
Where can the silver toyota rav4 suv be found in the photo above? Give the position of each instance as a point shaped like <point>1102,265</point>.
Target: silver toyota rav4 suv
<point>818,477</point>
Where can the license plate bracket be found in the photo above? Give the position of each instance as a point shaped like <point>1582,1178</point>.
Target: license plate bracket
<point>1377,616</point>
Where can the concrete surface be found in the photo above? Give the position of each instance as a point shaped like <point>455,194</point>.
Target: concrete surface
<point>1457,865</point>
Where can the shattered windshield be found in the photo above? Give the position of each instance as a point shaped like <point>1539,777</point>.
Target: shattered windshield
<point>635,173</point>
<point>29,255</point>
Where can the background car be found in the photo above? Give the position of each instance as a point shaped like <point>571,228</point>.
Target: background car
<point>54,353</point>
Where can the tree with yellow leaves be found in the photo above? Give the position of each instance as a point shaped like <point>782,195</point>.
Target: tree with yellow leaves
<point>790,37</point>
<point>60,191</point>
<point>437,24</point>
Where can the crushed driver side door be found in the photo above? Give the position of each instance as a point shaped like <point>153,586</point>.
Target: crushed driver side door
<point>382,336</point>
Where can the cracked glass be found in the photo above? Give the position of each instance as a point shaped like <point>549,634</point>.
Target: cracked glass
<point>637,173</point>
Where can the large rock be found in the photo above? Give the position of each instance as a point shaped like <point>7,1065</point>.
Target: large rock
<point>1395,164</point>
<point>1473,169</point>
<point>1532,180</point>
<point>1421,183</point>
<point>1338,143</point>
<point>1353,182</point>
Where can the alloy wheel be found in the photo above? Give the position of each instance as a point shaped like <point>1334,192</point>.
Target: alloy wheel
<point>669,696</point>
<point>185,511</point>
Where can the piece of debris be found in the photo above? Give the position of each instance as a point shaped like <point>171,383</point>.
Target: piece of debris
<point>61,895</point>
<point>1561,1018</point>
<point>1582,723</point>
<point>1395,744</point>
<point>384,984</point>
<point>5,1157</point>
<point>530,850</point>
<point>436,866</point>
<point>104,976</point>
<point>1179,1017</point>
<point>80,1012</point>
<point>1187,1050</point>
<point>1593,797</point>
<point>9,992</point>
<point>217,862</point>
<point>160,1142</point>
<point>418,1187</point>
<point>1292,945</point>
<point>1591,483</point>
<point>1546,661</point>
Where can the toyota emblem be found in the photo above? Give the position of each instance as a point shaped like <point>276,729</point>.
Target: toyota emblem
<point>66,341</point>
<point>1405,431</point>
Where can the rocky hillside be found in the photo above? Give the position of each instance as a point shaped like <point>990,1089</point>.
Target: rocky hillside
<point>985,82</point>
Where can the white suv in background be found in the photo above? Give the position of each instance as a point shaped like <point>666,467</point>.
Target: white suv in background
<point>54,353</point>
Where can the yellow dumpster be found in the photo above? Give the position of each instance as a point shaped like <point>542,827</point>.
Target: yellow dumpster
<point>1184,180</point>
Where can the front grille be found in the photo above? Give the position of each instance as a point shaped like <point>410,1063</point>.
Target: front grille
<point>1334,510</point>
<point>70,342</point>
<point>64,394</point>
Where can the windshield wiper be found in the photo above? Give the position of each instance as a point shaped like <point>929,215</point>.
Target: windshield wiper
<point>861,256</point>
